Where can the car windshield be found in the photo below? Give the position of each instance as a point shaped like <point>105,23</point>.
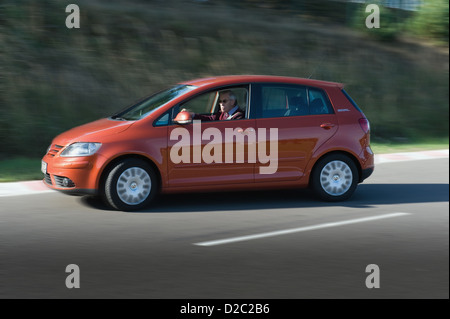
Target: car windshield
<point>150,104</point>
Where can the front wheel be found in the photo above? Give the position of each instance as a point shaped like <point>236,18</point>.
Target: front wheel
<point>130,185</point>
<point>334,178</point>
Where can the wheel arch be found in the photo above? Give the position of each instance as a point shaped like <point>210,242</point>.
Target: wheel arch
<point>335,152</point>
<point>109,166</point>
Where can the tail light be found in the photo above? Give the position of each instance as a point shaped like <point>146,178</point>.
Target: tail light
<point>365,125</point>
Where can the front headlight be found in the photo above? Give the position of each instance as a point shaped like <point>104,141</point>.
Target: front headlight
<point>81,149</point>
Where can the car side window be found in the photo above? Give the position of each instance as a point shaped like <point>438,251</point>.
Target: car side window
<point>162,120</point>
<point>202,104</point>
<point>318,102</point>
<point>284,101</point>
<point>208,103</point>
<point>241,94</point>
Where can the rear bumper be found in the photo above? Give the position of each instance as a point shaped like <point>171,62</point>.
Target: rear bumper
<point>365,173</point>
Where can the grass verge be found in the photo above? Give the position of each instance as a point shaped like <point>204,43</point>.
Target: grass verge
<point>20,169</point>
<point>23,169</point>
<point>392,147</point>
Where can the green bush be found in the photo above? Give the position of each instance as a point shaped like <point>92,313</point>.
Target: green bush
<point>431,20</point>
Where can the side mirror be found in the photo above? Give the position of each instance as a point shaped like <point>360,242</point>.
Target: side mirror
<point>183,117</point>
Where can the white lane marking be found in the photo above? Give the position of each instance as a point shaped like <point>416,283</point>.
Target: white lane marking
<point>297,230</point>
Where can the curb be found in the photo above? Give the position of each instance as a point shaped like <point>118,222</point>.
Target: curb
<point>38,187</point>
<point>23,188</point>
<point>411,156</point>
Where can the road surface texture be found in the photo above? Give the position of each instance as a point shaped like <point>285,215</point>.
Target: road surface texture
<point>269,244</point>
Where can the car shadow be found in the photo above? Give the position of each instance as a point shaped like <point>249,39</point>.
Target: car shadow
<point>366,195</point>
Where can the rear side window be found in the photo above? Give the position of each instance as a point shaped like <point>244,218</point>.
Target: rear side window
<point>288,100</point>
<point>283,101</point>
<point>318,102</point>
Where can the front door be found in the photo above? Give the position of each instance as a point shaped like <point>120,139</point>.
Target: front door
<point>212,152</point>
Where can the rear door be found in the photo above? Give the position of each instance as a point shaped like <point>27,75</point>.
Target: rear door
<point>303,119</point>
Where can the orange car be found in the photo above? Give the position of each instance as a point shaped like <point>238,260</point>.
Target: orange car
<point>289,132</point>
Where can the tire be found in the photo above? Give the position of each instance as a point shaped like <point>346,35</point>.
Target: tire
<point>334,178</point>
<point>130,185</point>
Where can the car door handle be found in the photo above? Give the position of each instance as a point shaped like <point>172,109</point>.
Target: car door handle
<point>327,126</point>
<point>248,130</point>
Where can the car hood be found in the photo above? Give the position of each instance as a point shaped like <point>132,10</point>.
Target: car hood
<point>92,132</point>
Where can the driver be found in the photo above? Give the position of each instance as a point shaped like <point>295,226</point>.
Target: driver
<point>229,109</point>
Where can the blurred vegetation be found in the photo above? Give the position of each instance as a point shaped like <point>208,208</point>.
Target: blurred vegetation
<point>431,21</point>
<point>20,169</point>
<point>53,78</point>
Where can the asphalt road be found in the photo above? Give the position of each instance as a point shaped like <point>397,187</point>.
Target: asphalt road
<point>169,251</point>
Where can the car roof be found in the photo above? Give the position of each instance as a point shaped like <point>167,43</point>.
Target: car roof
<point>240,79</point>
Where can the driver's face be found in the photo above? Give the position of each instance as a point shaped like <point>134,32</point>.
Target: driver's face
<point>226,104</point>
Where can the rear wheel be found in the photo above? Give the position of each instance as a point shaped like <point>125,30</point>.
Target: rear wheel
<point>334,178</point>
<point>130,185</point>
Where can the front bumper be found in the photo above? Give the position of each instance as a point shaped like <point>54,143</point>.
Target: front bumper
<point>73,175</point>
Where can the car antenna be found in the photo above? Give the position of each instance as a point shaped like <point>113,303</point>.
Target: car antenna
<point>317,66</point>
